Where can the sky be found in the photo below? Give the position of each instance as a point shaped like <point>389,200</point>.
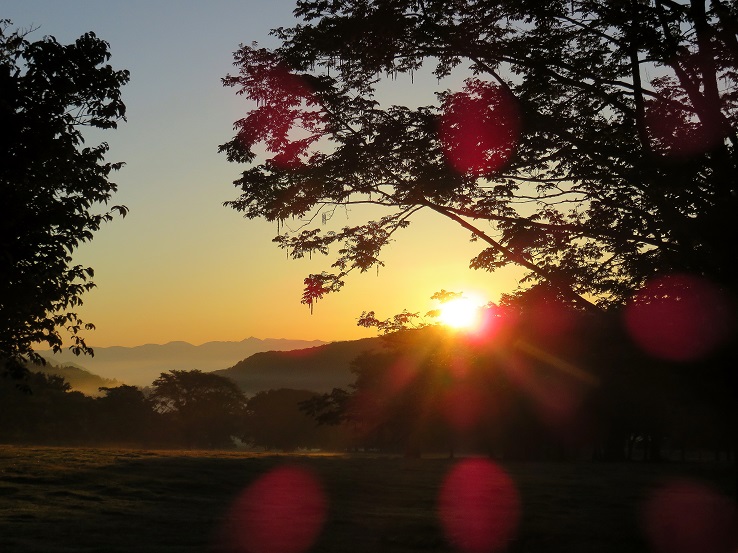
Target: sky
<point>181,266</point>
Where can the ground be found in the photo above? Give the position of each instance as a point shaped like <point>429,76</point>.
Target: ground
<point>122,500</point>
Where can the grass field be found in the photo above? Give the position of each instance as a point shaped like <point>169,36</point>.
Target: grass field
<point>109,500</point>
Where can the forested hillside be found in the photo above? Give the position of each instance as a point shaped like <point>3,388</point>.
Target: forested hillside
<point>319,369</point>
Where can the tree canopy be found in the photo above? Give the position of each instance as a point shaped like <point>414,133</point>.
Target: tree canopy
<point>206,408</point>
<point>593,143</point>
<point>51,183</point>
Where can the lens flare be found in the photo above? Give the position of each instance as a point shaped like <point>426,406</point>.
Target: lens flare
<point>479,128</point>
<point>679,317</point>
<point>479,507</point>
<point>288,119</point>
<point>687,517</point>
<point>282,512</point>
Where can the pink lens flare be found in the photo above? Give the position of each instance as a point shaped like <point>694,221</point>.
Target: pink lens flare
<point>680,317</point>
<point>281,512</point>
<point>489,329</point>
<point>479,128</point>
<point>479,507</point>
<point>688,517</point>
<point>288,119</point>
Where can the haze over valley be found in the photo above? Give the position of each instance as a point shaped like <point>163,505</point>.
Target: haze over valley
<point>140,365</point>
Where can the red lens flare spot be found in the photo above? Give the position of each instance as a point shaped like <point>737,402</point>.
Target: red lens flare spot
<point>479,128</point>
<point>687,517</point>
<point>479,507</point>
<point>679,317</point>
<point>488,331</point>
<point>281,512</point>
<point>288,119</point>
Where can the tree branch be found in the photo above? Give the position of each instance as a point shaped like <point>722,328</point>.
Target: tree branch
<point>518,259</point>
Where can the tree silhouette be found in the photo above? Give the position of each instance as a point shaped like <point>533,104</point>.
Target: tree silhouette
<point>125,415</point>
<point>274,421</point>
<point>44,410</point>
<point>50,182</point>
<point>205,409</point>
<point>594,145</point>
<point>430,390</point>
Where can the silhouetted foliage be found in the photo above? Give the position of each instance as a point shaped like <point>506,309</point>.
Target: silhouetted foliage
<point>274,420</point>
<point>540,382</point>
<point>40,408</point>
<point>434,391</point>
<point>50,184</point>
<point>204,409</point>
<point>620,161</point>
<point>126,416</point>
<point>331,409</point>
<point>183,409</point>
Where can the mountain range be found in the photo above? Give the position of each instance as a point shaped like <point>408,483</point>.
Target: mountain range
<point>141,365</point>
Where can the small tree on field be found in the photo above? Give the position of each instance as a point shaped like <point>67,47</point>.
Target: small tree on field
<point>125,415</point>
<point>274,420</point>
<point>205,409</point>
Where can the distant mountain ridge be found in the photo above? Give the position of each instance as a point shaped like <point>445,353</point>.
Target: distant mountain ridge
<point>141,365</point>
<point>318,369</point>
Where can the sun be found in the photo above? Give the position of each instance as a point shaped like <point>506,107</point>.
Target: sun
<point>460,313</point>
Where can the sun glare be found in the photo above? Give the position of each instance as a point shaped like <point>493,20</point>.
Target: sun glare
<point>460,313</point>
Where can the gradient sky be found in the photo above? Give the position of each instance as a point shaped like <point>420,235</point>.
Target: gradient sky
<point>183,267</point>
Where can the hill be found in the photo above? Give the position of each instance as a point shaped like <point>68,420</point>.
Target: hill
<point>318,369</point>
<point>78,378</point>
<point>141,365</point>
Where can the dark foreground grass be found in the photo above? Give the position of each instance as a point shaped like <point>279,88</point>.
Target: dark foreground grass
<point>66,499</point>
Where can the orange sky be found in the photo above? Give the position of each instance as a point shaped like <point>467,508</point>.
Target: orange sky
<point>232,283</point>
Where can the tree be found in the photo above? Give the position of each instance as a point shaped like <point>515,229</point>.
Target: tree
<point>125,415</point>
<point>274,421</point>
<point>50,184</point>
<point>205,409</point>
<point>594,143</point>
<point>45,410</point>
<point>394,404</point>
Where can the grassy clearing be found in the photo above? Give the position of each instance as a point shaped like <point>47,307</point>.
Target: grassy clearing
<point>68,499</point>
